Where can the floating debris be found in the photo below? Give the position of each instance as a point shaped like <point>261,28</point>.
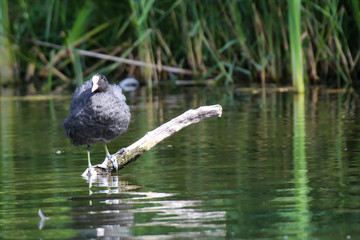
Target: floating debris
<point>43,218</point>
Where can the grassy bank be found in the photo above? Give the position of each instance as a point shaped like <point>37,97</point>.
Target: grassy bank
<point>228,41</point>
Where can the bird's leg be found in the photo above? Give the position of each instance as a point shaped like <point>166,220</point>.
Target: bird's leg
<point>107,151</point>
<point>88,152</point>
<point>111,158</point>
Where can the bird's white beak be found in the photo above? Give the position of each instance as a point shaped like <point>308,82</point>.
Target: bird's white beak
<point>95,83</point>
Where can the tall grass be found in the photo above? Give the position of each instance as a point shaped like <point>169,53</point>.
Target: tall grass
<point>7,57</point>
<point>231,41</point>
<point>296,45</point>
<point>140,19</point>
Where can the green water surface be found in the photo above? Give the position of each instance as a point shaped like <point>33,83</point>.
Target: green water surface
<point>274,166</point>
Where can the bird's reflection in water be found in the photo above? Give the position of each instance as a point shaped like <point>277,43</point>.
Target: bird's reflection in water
<point>113,203</point>
<point>107,211</point>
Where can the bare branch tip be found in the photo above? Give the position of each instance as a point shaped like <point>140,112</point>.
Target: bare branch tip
<point>219,110</point>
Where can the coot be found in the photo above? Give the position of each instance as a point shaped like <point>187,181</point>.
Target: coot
<point>98,113</point>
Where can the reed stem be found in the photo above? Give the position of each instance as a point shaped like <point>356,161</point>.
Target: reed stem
<point>295,45</point>
<point>7,56</point>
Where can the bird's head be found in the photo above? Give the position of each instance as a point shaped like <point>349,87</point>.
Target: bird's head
<point>99,83</point>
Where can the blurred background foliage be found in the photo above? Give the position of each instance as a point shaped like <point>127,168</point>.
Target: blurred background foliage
<point>233,41</point>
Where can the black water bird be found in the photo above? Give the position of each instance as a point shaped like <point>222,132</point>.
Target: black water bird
<point>98,113</point>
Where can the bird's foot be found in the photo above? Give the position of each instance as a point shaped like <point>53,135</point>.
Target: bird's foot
<point>89,171</point>
<point>113,160</point>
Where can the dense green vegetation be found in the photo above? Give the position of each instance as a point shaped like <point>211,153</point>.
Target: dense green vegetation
<point>237,41</point>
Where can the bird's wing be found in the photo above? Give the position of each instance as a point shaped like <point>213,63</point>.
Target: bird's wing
<point>80,96</point>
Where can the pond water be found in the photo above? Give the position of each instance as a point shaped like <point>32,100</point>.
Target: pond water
<point>274,166</point>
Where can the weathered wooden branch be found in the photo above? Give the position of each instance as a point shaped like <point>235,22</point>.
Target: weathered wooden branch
<point>129,154</point>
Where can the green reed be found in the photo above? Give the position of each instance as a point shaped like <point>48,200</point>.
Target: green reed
<point>7,57</point>
<point>296,45</point>
<point>141,20</point>
<point>231,41</point>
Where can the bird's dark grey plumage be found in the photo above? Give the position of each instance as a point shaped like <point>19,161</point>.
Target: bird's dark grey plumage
<point>97,114</point>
